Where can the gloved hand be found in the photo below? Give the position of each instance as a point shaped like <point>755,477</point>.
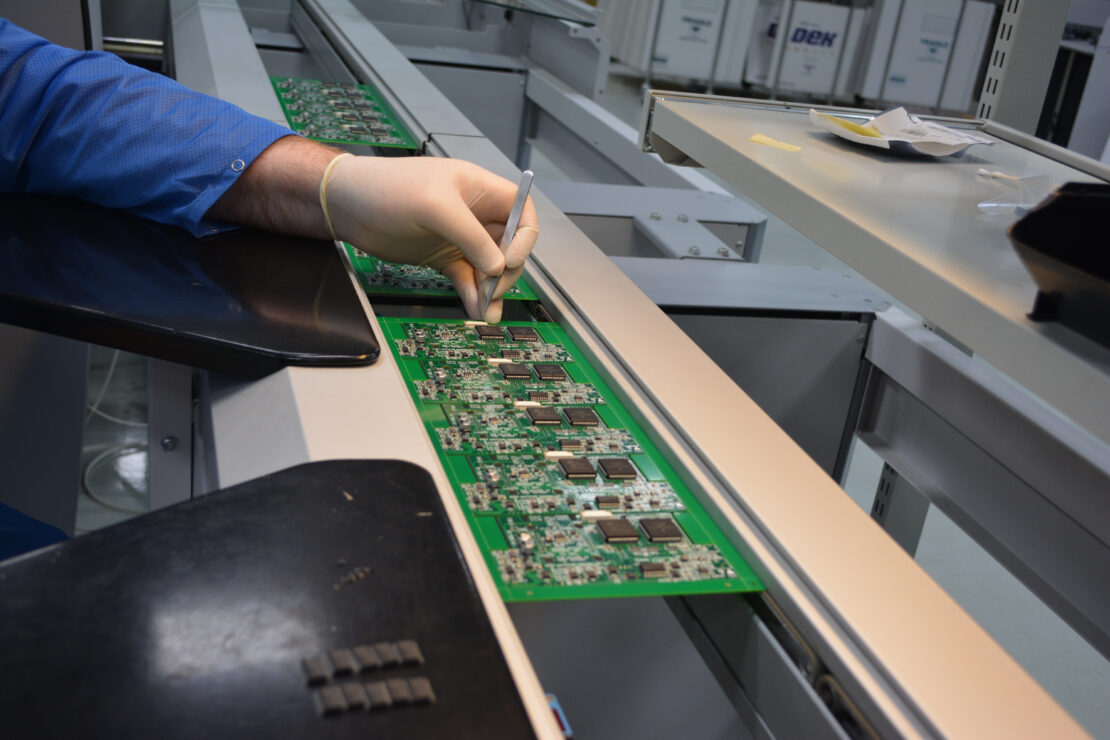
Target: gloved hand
<point>444,213</point>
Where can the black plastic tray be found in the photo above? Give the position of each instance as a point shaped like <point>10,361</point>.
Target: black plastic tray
<point>1062,246</point>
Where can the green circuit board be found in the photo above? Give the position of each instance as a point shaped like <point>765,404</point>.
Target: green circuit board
<point>378,277</point>
<point>340,113</point>
<point>564,492</point>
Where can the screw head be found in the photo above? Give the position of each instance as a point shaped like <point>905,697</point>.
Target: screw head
<point>169,443</point>
<point>683,218</point>
<point>694,250</point>
<point>739,245</point>
<point>723,251</point>
<point>656,216</point>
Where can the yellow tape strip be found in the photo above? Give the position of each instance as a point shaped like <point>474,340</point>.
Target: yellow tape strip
<point>768,141</point>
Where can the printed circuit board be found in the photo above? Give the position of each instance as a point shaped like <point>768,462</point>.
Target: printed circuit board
<point>341,113</point>
<point>563,490</point>
<point>378,277</point>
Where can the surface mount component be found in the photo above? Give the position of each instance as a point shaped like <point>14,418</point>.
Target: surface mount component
<point>618,530</point>
<point>617,468</point>
<point>577,467</point>
<point>581,417</point>
<point>661,530</point>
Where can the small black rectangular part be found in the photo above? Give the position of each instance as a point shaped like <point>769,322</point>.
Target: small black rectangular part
<point>544,416</point>
<point>389,653</point>
<point>378,695</point>
<point>489,332</point>
<point>539,396</point>
<point>368,658</point>
<point>422,692</point>
<point>344,662</point>
<point>357,700</point>
<point>617,468</point>
<point>410,652</point>
<point>618,530</point>
<point>663,529</point>
<point>399,690</point>
<point>513,371</point>
<point>316,670</point>
<point>550,371</point>
<point>608,502</point>
<point>523,334</point>
<point>579,417</point>
<point>577,467</point>
<point>653,570</point>
<point>331,700</point>
<point>570,444</point>
<point>512,354</point>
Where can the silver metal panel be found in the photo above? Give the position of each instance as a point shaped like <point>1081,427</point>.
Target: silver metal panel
<point>169,433</point>
<point>42,407</point>
<point>608,137</point>
<point>675,220</point>
<point>622,668</point>
<point>578,55</point>
<point>764,287</point>
<point>823,559</point>
<point>492,99</point>
<point>367,51</point>
<point>913,228</point>
<point>213,53</point>
<point>1024,483</point>
<point>754,669</point>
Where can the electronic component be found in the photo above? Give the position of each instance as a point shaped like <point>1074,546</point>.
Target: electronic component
<point>618,530</point>
<point>661,530</point>
<point>617,468</point>
<point>513,371</point>
<point>577,467</point>
<point>484,331</point>
<point>608,502</point>
<point>653,570</point>
<point>545,415</point>
<point>579,417</point>
<point>523,334</point>
<point>550,372</point>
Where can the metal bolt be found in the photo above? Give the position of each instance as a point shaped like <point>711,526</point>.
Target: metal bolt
<point>694,250</point>
<point>169,443</point>
<point>723,251</point>
<point>683,218</point>
<point>739,245</point>
<point>656,216</point>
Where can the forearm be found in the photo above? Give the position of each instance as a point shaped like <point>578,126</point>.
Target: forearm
<point>279,191</point>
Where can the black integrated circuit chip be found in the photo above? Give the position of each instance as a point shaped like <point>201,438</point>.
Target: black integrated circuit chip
<point>540,396</point>
<point>548,371</point>
<point>608,502</point>
<point>653,570</point>
<point>617,468</point>
<point>547,416</point>
<point>663,529</point>
<point>523,334</point>
<point>513,371</point>
<point>570,444</point>
<point>512,354</point>
<point>490,332</point>
<point>618,530</point>
<point>582,418</point>
<point>577,468</point>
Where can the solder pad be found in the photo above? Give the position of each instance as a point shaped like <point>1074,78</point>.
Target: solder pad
<point>535,515</point>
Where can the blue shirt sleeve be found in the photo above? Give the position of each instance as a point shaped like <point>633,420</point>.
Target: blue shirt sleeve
<point>89,125</point>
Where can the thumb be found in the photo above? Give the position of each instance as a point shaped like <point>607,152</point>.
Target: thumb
<point>455,222</point>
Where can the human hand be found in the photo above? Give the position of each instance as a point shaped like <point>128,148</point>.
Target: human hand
<point>447,214</point>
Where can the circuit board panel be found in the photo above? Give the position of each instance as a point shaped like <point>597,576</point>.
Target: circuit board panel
<point>564,492</point>
<point>340,113</point>
<point>378,277</point>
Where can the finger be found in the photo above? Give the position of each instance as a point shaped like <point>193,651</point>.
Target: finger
<point>527,232</point>
<point>493,313</point>
<point>507,280</point>
<point>453,221</point>
<point>462,275</point>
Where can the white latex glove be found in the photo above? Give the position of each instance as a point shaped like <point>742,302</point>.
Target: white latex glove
<point>444,213</point>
